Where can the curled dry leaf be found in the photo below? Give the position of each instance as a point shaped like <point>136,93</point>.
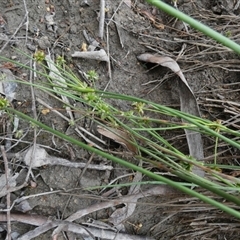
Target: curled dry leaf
<point>7,84</point>
<point>99,55</point>
<point>188,104</point>
<point>119,136</point>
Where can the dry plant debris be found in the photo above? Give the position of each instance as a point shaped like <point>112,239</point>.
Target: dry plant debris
<point>128,29</point>
<point>188,104</point>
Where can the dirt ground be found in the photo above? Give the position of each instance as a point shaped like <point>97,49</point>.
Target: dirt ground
<point>211,70</point>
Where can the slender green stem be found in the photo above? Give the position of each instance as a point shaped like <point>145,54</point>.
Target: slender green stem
<point>173,112</point>
<point>129,165</point>
<point>196,24</point>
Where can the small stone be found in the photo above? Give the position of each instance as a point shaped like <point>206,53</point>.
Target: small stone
<point>44,43</point>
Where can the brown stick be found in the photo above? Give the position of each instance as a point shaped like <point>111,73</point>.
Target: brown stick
<point>34,220</point>
<point>8,216</point>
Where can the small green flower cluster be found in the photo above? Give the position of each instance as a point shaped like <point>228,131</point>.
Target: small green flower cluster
<point>3,103</point>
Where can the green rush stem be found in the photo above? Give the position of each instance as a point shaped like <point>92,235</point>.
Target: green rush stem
<point>174,112</point>
<point>208,187</point>
<point>171,183</point>
<point>215,151</point>
<point>196,24</point>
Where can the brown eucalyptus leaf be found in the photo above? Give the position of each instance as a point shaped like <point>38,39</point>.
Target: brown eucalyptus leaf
<point>165,62</point>
<point>119,136</point>
<point>188,104</point>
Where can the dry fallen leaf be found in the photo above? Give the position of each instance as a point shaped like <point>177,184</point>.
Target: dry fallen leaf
<point>188,104</point>
<point>121,214</point>
<point>119,136</point>
<point>45,111</point>
<point>38,157</point>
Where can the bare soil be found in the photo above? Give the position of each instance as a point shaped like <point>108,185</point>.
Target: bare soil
<point>211,70</point>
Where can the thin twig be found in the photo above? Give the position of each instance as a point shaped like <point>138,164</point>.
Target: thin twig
<point>77,128</point>
<point>108,47</point>
<point>101,18</point>
<point>77,183</point>
<point>109,62</point>
<point>19,200</point>
<point>8,194</point>
<point>91,135</point>
<point>27,21</point>
<point>87,140</point>
<point>113,181</point>
<point>20,25</point>
<point>17,141</point>
<point>32,75</point>
<point>33,220</point>
<point>72,227</point>
<point>52,109</point>
<point>118,32</point>
<point>87,164</point>
<point>111,19</point>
